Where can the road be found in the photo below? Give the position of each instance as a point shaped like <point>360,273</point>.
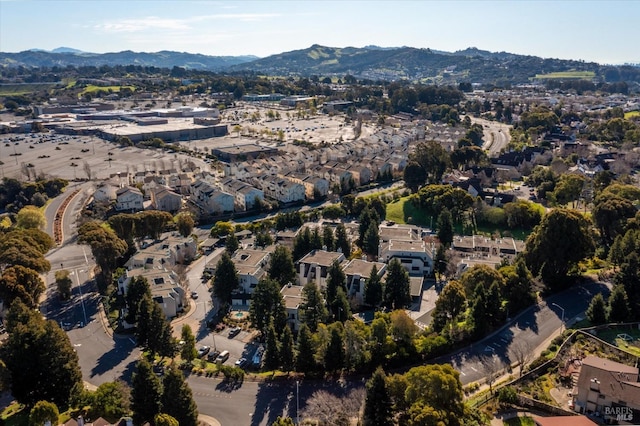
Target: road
<point>496,135</point>
<point>536,326</point>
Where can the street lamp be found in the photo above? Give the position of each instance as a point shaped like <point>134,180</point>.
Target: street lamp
<point>562,313</point>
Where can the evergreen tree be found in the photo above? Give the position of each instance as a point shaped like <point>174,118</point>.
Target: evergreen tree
<point>305,353</point>
<point>272,350</point>
<point>225,280</point>
<point>42,412</point>
<point>597,311</point>
<point>301,244</point>
<point>445,227</point>
<point>367,219</point>
<point>138,287</point>
<point>440,261</point>
<point>316,240</point>
<point>494,305</point>
<point>286,350</point>
<point>334,355</point>
<point>188,351</point>
<point>371,242</point>
<point>165,420</point>
<point>281,267</point>
<point>328,239</point>
<point>313,310</point>
<point>373,288</point>
<point>40,358</point>
<point>342,241</point>
<point>377,404</point>
<point>341,307</point>
<point>146,393</point>
<point>335,279</point>
<point>231,244</point>
<point>177,398</point>
<point>479,311</point>
<point>267,303</point>
<point>397,290</point>
<point>618,305</point>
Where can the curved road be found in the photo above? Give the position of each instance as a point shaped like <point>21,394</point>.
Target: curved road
<point>496,135</point>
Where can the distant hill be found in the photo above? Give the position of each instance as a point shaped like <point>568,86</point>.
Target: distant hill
<point>164,59</point>
<point>372,62</point>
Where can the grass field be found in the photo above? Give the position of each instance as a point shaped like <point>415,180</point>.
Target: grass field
<point>631,114</point>
<point>92,89</point>
<point>611,336</point>
<point>403,211</point>
<point>520,421</point>
<point>567,74</point>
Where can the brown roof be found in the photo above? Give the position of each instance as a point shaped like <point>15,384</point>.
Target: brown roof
<point>608,365</point>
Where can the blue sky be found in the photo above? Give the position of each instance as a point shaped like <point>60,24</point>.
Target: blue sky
<point>601,31</point>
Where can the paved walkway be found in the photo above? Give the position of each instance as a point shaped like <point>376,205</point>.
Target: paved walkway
<point>208,420</point>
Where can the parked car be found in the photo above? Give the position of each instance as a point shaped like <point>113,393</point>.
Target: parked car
<point>211,356</point>
<point>241,362</point>
<point>203,350</point>
<point>194,294</point>
<point>234,331</point>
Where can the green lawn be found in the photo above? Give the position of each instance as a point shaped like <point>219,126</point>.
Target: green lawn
<point>403,211</point>
<point>611,336</point>
<point>92,89</point>
<point>23,89</point>
<point>567,74</point>
<point>631,114</point>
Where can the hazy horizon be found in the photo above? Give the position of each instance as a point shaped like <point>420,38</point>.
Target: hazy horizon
<point>594,31</point>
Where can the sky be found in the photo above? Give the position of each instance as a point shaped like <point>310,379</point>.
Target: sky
<point>602,31</point>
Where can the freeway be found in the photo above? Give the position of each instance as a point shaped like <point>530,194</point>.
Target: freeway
<point>496,135</point>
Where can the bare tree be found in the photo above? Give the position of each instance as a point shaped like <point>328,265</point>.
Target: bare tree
<point>87,169</point>
<point>329,409</point>
<point>492,366</point>
<point>521,351</point>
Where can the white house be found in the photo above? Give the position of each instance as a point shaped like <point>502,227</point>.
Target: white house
<point>357,272</point>
<point>210,199</point>
<point>162,198</point>
<point>129,199</point>
<point>314,266</point>
<point>414,255</point>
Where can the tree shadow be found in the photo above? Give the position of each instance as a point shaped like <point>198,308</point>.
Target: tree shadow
<point>272,400</point>
<point>109,360</point>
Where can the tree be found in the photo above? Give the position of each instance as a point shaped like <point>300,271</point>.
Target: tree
<point>30,217</point>
<point>491,366</point>
<point>64,283</point>
<point>105,245</point>
<point>518,286</point>
<point>18,282</point>
<point>328,238</point>
<point>414,176</point>
<point>231,243</point>
<point>342,241</point>
<point>225,279</point>
<point>373,288</point>
<point>312,310</point>
<point>267,304</point>
<point>40,358</point>
<point>185,223</point>
<point>397,287</point>
<point>281,267</point>
<point>112,400</point>
<point>188,351</point>
<point>177,398</point>
<point>568,188</point>
<point>433,159</point>
<point>522,351</point>
<point>283,421</point>
<point>610,214</point>
<point>377,404</point>
<point>302,244</point>
<point>286,350</point>
<point>618,305</point>
<point>305,362</point>
<point>272,348</point>
<point>371,240</point>
<point>153,332</point>
<point>42,412</point>
<point>449,305</point>
<point>597,310</point>
<point>445,227</point>
<point>562,239</point>
<point>334,355</point>
<point>165,420</point>
<point>137,289</point>
<point>146,393</point>
<point>335,279</point>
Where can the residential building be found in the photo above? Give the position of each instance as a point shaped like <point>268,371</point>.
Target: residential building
<point>246,196</point>
<point>129,199</point>
<point>609,390</point>
<point>280,189</point>
<point>314,266</point>
<point>357,272</point>
<point>163,198</point>
<point>292,297</point>
<point>210,199</point>
<point>164,288</point>
<point>414,255</point>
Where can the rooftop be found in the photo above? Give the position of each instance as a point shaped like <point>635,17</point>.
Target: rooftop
<point>321,257</point>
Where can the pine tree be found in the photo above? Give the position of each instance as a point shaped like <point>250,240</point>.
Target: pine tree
<point>188,352</point>
<point>334,355</point>
<point>286,350</point>
<point>335,279</point>
<point>618,305</point>
<point>305,353</point>
<point>373,288</point>
<point>597,311</point>
<point>328,239</point>
<point>445,227</point>
<point>231,243</point>
<point>397,293</point>
<point>377,404</point>
<point>342,241</point>
<point>272,350</point>
<point>312,309</point>
<point>177,398</point>
<point>281,267</point>
<point>225,279</point>
<point>146,393</point>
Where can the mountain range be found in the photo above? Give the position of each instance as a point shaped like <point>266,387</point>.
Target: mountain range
<point>372,62</point>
